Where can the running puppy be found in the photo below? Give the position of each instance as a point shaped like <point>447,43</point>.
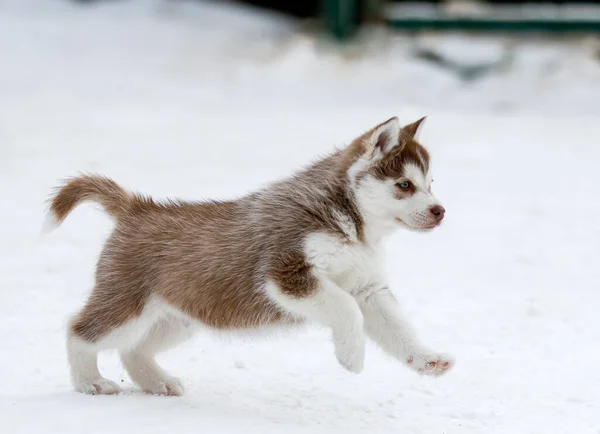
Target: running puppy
<point>308,247</point>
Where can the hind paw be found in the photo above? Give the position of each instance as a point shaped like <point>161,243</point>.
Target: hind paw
<point>168,387</point>
<point>99,386</point>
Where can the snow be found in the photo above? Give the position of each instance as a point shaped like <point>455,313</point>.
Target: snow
<point>202,100</point>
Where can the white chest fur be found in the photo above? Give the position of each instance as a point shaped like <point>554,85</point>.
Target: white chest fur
<point>354,267</point>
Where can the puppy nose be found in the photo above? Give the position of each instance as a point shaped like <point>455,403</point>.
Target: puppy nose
<point>438,211</point>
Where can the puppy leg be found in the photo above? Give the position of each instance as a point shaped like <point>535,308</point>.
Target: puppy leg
<point>330,306</point>
<point>106,323</point>
<point>140,361</point>
<point>83,361</point>
<point>385,324</point>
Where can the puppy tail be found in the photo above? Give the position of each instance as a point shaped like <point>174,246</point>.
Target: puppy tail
<point>116,201</point>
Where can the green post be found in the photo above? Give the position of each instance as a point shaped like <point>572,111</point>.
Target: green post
<point>341,17</point>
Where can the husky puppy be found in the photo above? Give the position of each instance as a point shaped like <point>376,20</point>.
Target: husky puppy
<point>305,248</point>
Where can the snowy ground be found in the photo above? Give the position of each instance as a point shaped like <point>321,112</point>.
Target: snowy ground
<point>168,100</point>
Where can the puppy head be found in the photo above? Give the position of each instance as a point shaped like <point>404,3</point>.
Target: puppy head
<point>391,179</point>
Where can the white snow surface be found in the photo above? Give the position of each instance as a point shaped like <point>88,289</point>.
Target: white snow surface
<point>199,100</point>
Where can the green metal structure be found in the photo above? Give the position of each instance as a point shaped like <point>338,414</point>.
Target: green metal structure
<point>344,17</point>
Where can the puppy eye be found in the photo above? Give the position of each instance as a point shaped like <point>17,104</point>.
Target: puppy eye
<point>404,185</point>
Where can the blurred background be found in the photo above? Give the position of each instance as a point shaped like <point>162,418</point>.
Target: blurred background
<point>212,99</point>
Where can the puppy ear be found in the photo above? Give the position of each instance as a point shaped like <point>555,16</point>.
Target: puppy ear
<point>384,138</point>
<point>414,130</point>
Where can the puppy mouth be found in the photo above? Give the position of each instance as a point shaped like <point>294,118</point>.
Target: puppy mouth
<point>423,228</point>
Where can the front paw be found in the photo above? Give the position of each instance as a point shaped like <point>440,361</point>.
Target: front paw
<point>430,363</point>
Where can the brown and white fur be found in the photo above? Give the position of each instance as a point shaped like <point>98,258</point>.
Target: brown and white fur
<point>308,247</point>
